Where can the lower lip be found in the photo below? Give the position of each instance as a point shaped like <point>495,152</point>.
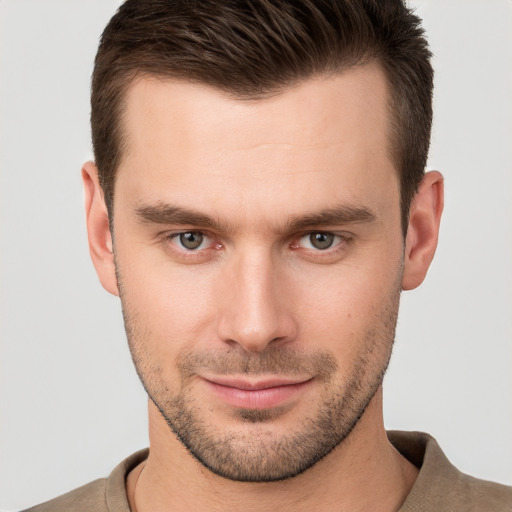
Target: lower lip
<point>257,398</point>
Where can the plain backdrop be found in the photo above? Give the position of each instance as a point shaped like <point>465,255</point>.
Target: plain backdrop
<point>71,405</point>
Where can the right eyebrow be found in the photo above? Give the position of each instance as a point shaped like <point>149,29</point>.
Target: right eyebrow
<point>161,213</point>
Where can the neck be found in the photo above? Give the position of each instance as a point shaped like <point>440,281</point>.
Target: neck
<point>363,473</point>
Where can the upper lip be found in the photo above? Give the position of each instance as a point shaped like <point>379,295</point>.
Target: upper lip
<point>255,384</point>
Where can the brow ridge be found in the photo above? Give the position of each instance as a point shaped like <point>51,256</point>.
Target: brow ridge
<point>163,213</point>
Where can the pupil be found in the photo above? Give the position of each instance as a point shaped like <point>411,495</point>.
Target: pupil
<point>191,240</point>
<point>321,240</point>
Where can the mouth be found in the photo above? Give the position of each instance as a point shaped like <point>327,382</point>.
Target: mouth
<point>256,394</point>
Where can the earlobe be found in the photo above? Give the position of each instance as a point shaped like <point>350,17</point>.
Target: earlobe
<point>98,229</point>
<point>422,234</point>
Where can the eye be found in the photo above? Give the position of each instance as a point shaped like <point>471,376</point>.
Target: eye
<point>320,240</point>
<point>190,247</point>
<point>190,240</point>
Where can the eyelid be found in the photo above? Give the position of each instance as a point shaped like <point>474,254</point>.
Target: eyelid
<point>181,255</point>
<point>341,244</point>
<point>340,236</point>
<point>206,236</point>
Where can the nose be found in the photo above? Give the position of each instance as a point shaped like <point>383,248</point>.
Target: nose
<point>254,306</point>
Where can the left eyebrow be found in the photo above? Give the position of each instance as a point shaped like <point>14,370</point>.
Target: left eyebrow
<point>339,215</point>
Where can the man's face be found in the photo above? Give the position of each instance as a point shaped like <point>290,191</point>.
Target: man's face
<point>259,258</point>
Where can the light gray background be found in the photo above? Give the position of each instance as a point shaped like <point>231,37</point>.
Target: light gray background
<point>71,406</point>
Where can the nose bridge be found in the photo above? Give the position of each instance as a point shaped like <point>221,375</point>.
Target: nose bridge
<point>253,314</point>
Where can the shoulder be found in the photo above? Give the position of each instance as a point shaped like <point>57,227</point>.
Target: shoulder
<point>481,495</point>
<point>88,497</point>
<point>102,495</point>
<point>440,485</point>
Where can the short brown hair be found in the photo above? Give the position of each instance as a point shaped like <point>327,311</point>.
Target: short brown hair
<point>253,48</point>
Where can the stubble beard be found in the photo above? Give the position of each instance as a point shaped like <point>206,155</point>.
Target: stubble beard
<point>255,454</point>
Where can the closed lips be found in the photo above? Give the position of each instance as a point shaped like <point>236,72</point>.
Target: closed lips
<point>262,394</point>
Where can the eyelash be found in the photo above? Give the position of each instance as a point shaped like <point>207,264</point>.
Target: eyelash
<point>340,243</point>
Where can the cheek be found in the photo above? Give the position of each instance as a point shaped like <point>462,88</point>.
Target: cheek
<point>346,306</point>
<point>170,310</point>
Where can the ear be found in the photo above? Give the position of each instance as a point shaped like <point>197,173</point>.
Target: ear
<point>422,233</point>
<point>98,230</point>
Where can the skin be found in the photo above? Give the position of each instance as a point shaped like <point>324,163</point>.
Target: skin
<point>257,300</point>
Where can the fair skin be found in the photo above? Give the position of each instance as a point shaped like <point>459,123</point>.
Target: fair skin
<point>264,332</point>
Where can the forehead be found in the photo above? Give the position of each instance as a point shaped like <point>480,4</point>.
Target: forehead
<point>324,136</point>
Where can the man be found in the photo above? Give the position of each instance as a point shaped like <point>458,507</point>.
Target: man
<point>258,201</point>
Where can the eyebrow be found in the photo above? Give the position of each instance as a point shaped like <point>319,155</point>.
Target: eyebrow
<point>163,213</point>
<point>338,215</point>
